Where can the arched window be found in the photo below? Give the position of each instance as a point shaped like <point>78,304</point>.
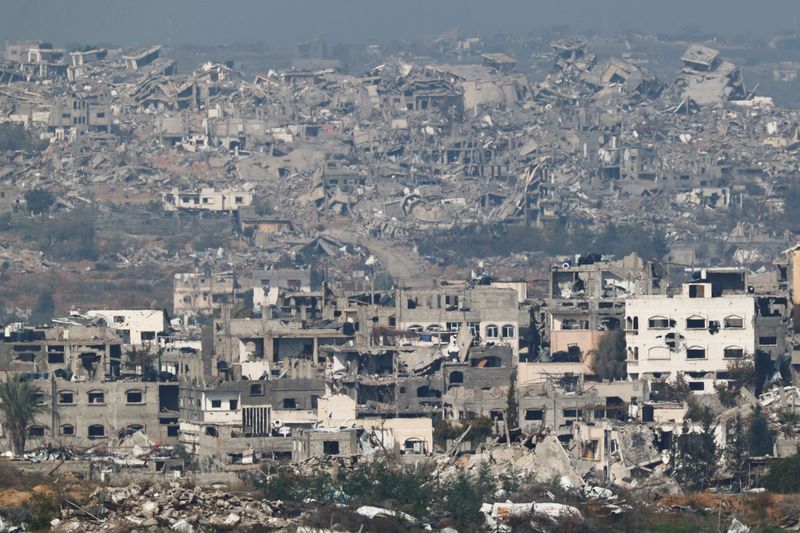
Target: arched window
<point>68,430</point>
<point>734,352</point>
<point>414,445</point>
<point>658,322</point>
<point>96,397</point>
<point>658,353</point>
<point>695,322</point>
<point>695,352</point>
<point>456,377</point>
<point>734,322</point>
<point>97,431</point>
<point>509,331</point>
<point>434,327</point>
<point>134,396</point>
<point>416,328</point>
<point>492,331</point>
<point>36,432</point>
<point>66,397</point>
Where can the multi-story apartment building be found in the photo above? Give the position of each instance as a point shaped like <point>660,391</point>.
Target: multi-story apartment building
<point>698,332</point>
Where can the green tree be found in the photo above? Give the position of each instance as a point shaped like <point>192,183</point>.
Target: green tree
<point>44,308</point>
<point>741,373</point>
<point>737,451</point>
<point>463,497</point>
<point>783,475</point>
<point>13,137</point>
<point>694,454</point>
<point>19,406</point>
<point>39,201</point>
<point>761,438</point>
<point>608,361</point>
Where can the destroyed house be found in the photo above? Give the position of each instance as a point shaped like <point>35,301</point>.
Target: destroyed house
<point>82,114</point>
<point>236,419</point>
<point>207,199</point>
<point>18,51</point>
<point>701,58</point>
<point>205,293</point>
<point>499,62</point>
<point>587,299</point>
<point>291,279</point>
<point>560,402</point>
<point>85,414</point>
<point>81,57</point>
<point>478,385</point>
<point>141,57</point>
<point>492,315</point>
<point>85,352</point>
<point>268,344</point>
<point>136,326</point>
<point>420,94</point>
<point>253,224</point>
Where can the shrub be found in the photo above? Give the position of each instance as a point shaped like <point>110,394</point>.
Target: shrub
<point>38,201</point>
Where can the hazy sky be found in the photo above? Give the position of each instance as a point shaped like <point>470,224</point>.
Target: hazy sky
<point>288,22</point>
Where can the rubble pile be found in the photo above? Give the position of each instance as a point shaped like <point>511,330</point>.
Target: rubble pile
<point>171,507</point>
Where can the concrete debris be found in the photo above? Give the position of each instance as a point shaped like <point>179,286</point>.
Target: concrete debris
<point>371,512</point>
<point>171,506</point>
<point>738,527</point>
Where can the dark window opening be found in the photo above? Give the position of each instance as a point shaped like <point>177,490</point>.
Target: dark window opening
<point>695,353</point>
<point>67,430</point>
<point>97,431</point>
<point>697,385</point>
<point>427,392</point>
<point>66,398</point>
<point>695,323</point>
<point>733,352</point>
<point>289,403</point>
<point>534,414</point>
<point>697,291</point>
<point>330,447</point>
<point>734,322</point>
<point>658,322</point>
<point>97,397</point>
<point>134,396</point>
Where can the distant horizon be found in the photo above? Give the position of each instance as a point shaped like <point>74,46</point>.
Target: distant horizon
<point>285,23</point>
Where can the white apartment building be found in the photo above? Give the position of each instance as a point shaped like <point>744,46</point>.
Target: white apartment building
<point>138,326</point>
<point>694,333</point>
<point>207,199</point>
